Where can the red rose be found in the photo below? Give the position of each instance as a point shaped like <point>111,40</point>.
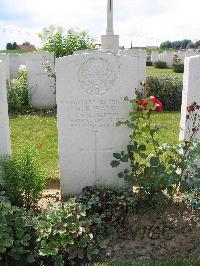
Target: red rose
<point>159,107</point>
<point>142,102</point>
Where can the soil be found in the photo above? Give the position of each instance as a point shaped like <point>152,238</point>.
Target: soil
<point>169,232</point>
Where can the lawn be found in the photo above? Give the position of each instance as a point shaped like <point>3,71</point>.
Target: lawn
<point>40,131</point>
<point>13,51</point>
<point>156,71</point>
<point>171,263</point>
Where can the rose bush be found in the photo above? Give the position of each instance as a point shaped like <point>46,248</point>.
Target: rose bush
<point>156,170</point>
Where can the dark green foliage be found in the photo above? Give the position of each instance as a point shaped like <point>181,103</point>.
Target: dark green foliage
<point>11,46</point>
<point>22,178</point>
<point>157,170</point>
<point>168,89</point>
<point>18,96</point>
<point>160,64</point>
<point>177,44</point>
<point>66,44</point>
<point>65,234</point>
<point>193,198</point>
<point>111,205</point>
<point>149,63</point>
<point>15,233</point>
<point>178,68</point>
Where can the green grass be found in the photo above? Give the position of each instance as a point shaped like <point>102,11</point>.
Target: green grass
<point>41,129</point>
<point>156,71</point>
<point>37,130</point>
<point>13,51</point>
<point>170,263</point>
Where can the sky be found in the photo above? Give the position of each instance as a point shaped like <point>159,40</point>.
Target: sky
<point>144,22</point>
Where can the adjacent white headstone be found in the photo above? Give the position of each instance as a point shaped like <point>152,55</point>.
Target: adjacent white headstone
<point>90,92</point>
<point>168,57</point>
<point>41,84</point>
<point>154,56</point>
<point>140,55</point>
<point>5,146</point>
<point>6,59</point>
<point>16,60</point>
<point>191,90</point>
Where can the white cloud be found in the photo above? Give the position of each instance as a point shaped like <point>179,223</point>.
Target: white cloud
<point>142,21</point>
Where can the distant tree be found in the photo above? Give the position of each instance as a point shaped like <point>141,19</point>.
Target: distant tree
<point>15,46</point>
<point>62,43</point>
<point>176,44</point>
<point>9,46</point>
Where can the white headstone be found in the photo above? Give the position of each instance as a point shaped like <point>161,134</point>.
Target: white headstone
<point>5,146</point>
<point>191,90</point>
<point>90,92</point>
<point>168,57</point>
<point>6,59</point>
<point>154,56</point>
<point>41,84</point>
<point>16,60</point>
<point>181,55</point>
<point>140,55</point>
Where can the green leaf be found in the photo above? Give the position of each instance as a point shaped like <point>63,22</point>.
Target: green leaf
<point>117,156</point>
<point>125,158</point>
<point>126,99</point>
<point>115,164</point>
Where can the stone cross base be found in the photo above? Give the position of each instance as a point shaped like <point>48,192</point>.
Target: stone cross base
<point>110,43</point>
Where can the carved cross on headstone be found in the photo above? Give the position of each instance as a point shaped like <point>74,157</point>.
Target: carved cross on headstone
<point>96,151</point>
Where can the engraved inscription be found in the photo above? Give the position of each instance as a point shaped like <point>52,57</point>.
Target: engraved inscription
<point>97,76</point>
<point>95,113</point>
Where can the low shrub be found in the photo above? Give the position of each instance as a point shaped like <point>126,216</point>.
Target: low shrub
<point>149,63</point>
<point>18,95</point>
<point>160,64</point>
<point>167,88</point>
<point>111,205</point>
<point>65,234</point>
<point>178,68</point>
<point>157,170</point>
<point>16,234</point>
<point>22,178</point>
<point>193,198</point>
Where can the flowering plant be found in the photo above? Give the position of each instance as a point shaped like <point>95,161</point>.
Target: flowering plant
<point>154,169</point>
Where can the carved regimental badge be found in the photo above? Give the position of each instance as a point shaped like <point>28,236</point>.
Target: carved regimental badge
<point>97,76</point>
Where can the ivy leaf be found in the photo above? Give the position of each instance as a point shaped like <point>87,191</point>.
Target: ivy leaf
<point>143,156</point>
<point>121,175</point>
<point>117,156</point>
<point>125,158</point>
<point>126,99</point>
<point>115,164</point>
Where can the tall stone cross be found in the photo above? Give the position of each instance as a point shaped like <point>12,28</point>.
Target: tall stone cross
<point>110,30</point>
<point>110,42</point>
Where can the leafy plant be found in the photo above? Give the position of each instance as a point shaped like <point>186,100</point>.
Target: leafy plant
<point>166,88</point>
<point>178,67</point>
<point>22,178</point>
<point>193,198</point>
<point>149,63</point>
<point>160,64</point>
<point>18,95</point>
<point>155,169</point>
<point>63,44</point>
<point>64,234</point>
<point>16,233</point>
<point>110,205</point>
